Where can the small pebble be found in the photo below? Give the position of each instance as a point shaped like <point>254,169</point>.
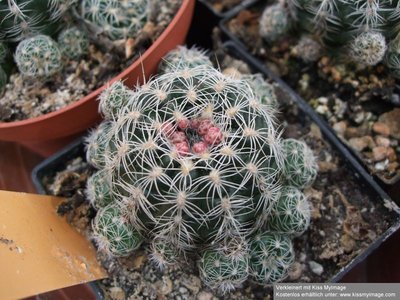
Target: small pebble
<point>381,128</point>
<point>379,153</point>
<point>361,143</point>
<point>315,267</point>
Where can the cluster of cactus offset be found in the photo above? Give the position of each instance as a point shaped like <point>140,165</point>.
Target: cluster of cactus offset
<point>34,24</point>
<point>363,30</point>
<point>192,162</point>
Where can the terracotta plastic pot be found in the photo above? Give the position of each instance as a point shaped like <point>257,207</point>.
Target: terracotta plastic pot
<point>50,132</point>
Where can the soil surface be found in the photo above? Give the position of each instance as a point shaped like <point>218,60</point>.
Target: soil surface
<point>25,98</point>
<point>361,104</point>
<point>346,219</point>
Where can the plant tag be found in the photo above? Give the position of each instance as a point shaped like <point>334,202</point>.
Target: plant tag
<point>39,250</point>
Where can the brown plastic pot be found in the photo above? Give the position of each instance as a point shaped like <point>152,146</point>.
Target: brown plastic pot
<point>50,132</point>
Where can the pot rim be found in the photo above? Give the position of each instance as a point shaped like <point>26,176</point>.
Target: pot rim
<point>123,75</point>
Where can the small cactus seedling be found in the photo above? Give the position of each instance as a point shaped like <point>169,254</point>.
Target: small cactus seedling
<point>300,168</point>
<point>368,48</point>
<point>291,212</point>
<point>271,256</point>
<point>96,144</point>
<point>113,98</point>
<point>73,43</point>
<point>98,189</point>
<point>113,231</point>
<point>219,271</point>
<point>308,49</point>
<point>183,58</point>
<point>263,90</point>
<point>38,56</point>
<point>162,253</point>
<point>274,23</point>
<point>117,19</point>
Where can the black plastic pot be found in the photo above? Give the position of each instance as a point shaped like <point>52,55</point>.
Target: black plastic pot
<point>229,12</point>
<point>366,183</point>
<point>391,186</point>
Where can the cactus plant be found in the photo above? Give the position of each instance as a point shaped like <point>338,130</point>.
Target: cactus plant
<point>195,160</point>
<point>274,22</point>
<point>23,19</point>
<point>113,231</point>
<point>308,49</point>
<point>117,19</point>
<point>38,56</point>
<point>300,167</point>
<point>3,80</point>
<point>73,43</point>
<point>365,25</point>
<point>290,213</point>
<point>3,51</point>
<point>368,48</point>
<point>271,256</point>
<point>219,271</point>
<point>392,58</point>
<point>183,58</point>
<point>263,90</point>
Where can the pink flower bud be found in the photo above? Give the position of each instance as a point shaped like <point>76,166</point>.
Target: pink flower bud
<point>194,124</point>
<point>183,124</point>
<point>182,148</point>
<point>204,126</point>
<point>167,128</point>
<point>178,137</point>
<point>214,136</point>
<point>199,147</point>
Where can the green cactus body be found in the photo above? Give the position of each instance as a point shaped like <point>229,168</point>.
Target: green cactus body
<point>117,19</point>
<point>3,51</point>
<point>73,43</point>
<point>339,22</point>
<point>301,168</point>
<point>183,58</point>
<point>38,56</point>
<point>194,159</point>
<point>98,189</point>
<point>290,214</point>
<point>113,98</point>
<point>263,90</point>
<point>3,80</point>
<point>23,19</point>
<point>363,26</point>
<point>96,144</point>
<point>392,58</point>
<point>221,272</point>
<point>163,253</point>
<point>201,152</point>
<point>271,256</point>
<point>113,231</point>
<point>274,22</point>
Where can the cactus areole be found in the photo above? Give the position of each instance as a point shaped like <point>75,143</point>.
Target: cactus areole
<point>192,158</point>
